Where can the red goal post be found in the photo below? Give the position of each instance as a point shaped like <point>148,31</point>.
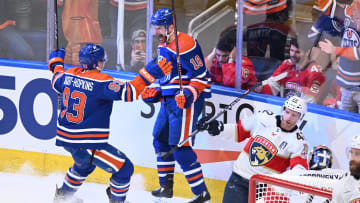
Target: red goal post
<point>273,196</point>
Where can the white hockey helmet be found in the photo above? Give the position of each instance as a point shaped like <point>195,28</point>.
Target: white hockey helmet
<point>355,142</point>
<point>296,104</point>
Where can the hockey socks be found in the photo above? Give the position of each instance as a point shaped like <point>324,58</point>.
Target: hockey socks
<point>187,159</point>
<point>166,170</point>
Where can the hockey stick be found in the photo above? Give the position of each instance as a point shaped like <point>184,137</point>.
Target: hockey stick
<point>56,25</point>
<point>177,47</point>
<point>228,107</point>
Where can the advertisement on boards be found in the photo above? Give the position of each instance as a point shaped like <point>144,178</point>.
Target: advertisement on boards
<point>28,112</point>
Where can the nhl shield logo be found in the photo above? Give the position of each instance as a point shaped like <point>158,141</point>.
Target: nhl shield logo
<point>261,151</point>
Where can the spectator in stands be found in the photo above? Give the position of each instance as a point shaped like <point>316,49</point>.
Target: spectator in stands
<point>265,26</point>
<point>305,77</point>
<point>12,45</point>
<point>81,26</point>
<point>348,73</point>
<point>221,65</point>
<point>134,15</point>
<point>138,55</point>
<point>347,188</point>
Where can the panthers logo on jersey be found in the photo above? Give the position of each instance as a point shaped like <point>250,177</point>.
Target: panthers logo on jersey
<point>261,151</point>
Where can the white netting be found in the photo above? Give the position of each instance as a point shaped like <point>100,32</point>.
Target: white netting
<point>284,193</point>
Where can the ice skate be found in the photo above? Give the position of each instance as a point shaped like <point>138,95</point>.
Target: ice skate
<point>108,192</point>
<point>201,198</point>
<point>60,197</point>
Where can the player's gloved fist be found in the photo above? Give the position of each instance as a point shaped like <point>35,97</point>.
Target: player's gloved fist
<point>215,127</point>
<point>56,58</point>
<point>184,99</point>
<point>151,95</point>
<point>153,71</point>
<point>201,125</point>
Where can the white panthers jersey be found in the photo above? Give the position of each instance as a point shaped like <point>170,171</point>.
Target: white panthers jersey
<point>325,179</point>
<point>269,149</point>
<point>347,190</point>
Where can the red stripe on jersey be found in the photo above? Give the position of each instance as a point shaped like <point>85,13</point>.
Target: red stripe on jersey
<point>242,133</point>
<point>83,135</point>
<point>166,169</point>
<point>247,146</point>
<point>195,177</point>
<point>298,160</point>
<point>187,125</point>
<point>278,164</point>
<point>118,164</point>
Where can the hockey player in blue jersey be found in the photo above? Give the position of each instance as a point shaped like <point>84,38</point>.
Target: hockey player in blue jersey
<point>87,97</point>
<point>179,111</point>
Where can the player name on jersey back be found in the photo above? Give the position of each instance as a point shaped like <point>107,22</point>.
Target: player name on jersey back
<point>79,83</point>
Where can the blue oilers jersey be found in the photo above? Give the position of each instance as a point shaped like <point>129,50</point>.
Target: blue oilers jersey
<point>348,71</point>
<point>192,66</point>
<point>86,106</point>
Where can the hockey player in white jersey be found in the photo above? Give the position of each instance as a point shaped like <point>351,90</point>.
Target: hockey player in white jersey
<point>274,143</point>
<point>347,189</point>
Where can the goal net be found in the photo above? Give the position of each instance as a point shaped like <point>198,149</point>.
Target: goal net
<point>312,186</point>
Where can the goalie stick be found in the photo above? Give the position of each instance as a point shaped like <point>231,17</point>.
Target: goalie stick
<point>228,107</point>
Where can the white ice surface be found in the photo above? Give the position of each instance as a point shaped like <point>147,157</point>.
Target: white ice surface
<point>19,188</point>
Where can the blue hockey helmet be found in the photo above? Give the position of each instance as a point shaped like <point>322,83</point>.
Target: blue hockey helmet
<point>320,158</point>
<point>163,16</point>
<point>90,55</point>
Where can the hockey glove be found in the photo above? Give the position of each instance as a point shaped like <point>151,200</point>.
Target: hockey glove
<point>56,58</point>
<point>187,98</point>
<point>201,125</point>
<point>151,95</point>
<point>153,71</point>
<point>215,127</point>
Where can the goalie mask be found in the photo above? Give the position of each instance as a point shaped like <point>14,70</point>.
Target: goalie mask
<point>296,104</point>
<point>90,55</point>
<point>320,158</point>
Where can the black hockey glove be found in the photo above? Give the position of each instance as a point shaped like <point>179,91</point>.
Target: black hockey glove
<point>201,125</point>
<point>214,127</point>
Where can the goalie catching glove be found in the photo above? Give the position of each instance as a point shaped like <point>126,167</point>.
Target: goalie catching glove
<point>214,127</point>
<point>151,95</point>
<point>56,58</point>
